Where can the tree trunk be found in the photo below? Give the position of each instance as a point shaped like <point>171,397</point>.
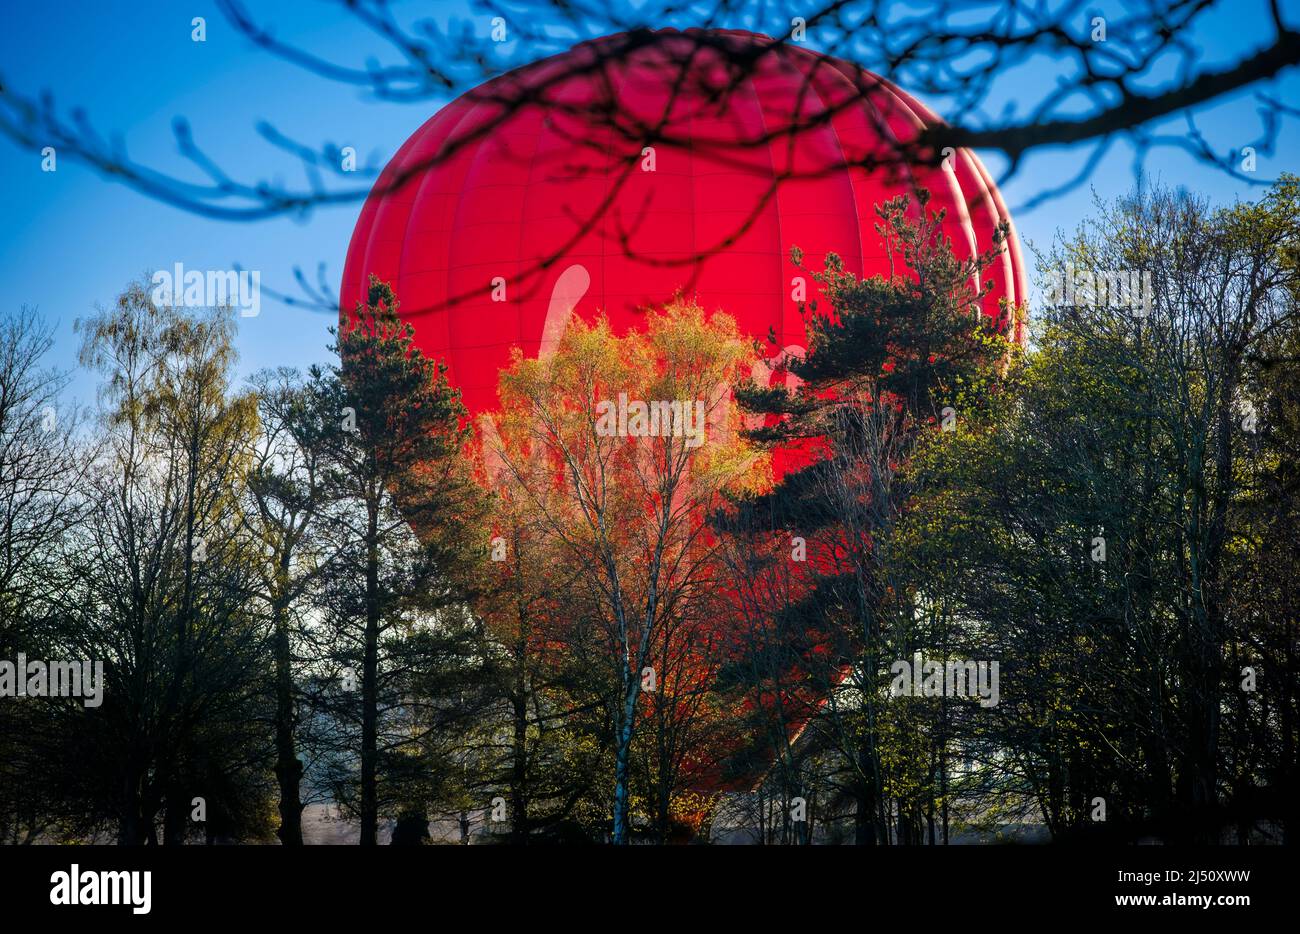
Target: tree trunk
<point>621,764</point>
<point>288,767</point>
<point>177,801</point>
<point>175,815</point>
<point>865,817</point>
<point>369,687</point>
<point>129,831</point>
<point>519,764</point>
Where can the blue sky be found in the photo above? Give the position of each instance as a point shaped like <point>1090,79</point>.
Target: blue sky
<point>74,239</point>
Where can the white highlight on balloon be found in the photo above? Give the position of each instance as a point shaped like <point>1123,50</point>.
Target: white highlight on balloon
<point>569,290</point>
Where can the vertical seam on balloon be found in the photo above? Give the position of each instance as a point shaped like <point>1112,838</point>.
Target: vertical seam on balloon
<point>373,203</point>
<point>909,107</point>
<point>523,223</point>
<point>909,110</point>
<point>991,193</point>
<point>749,96</point>
<point>523,212</point>
<point>1015,283</point>
<point>780,233</point>
<point>1019,287</point>
<point>453,232</point>
<point>818,62</point>
<point>603,307</point>
<point>472,157</point>
<point>884,130</point>
<point>427,178</point>
<point>980,196</point>
<point>983,196</point>
<point>698,265</point>
<point>901,107</point>
<point>410,211</point>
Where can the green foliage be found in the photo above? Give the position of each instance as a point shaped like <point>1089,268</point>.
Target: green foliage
<point>1103,531</point>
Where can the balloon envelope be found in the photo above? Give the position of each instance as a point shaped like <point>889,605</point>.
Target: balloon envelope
<point>632,167</point>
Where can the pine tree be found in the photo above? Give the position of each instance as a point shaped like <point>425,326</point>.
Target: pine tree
<point>406,517</point>
<point>896,357</point>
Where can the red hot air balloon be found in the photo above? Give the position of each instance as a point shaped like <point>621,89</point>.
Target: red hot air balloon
<point>634,166</point>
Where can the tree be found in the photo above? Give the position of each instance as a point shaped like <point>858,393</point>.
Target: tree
<point>1266,598</point>
<point>40,468</point>
<point>544,745</point>
<point>402,516</point>
<point>623,446</point>
<point>1104,522</point>
<point>159,575</point>
<point>898,356</point>
<point>288,487</point>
